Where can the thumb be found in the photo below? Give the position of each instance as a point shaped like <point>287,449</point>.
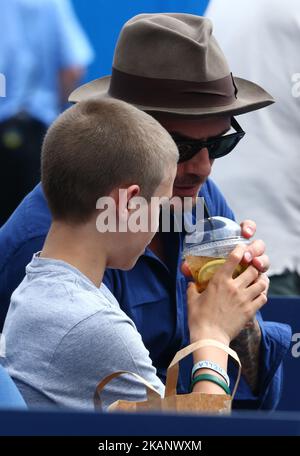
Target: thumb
<point>192,291</point>
<point>233,259</point>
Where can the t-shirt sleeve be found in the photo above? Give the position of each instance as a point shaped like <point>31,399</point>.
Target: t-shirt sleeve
<point>99,345</point>
<point>73,45</point>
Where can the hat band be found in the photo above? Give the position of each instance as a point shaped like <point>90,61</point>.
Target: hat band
<point>172,93</point>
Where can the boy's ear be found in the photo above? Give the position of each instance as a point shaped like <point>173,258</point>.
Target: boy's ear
<point>132,192</point>
<point>124,199</point>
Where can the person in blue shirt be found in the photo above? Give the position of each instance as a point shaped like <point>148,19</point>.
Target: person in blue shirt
<point>43,55</point>
<point>194,96</point>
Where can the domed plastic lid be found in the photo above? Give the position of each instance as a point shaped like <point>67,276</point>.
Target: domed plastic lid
<point>218,236</point>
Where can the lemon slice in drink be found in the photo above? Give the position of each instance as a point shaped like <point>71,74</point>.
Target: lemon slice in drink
<point>238,270</point>
<point>208,270</point>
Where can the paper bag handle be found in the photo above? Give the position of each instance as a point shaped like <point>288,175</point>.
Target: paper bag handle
<point>173,369</point>
<point>151,391</point>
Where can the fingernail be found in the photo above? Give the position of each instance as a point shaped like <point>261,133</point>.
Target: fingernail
<point>249,231</point>
<point>248,256</point>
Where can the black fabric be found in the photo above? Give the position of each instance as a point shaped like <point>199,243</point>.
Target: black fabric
<point>20,147</point>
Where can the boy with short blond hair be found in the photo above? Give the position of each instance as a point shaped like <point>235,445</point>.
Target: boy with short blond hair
<point>64,329</point>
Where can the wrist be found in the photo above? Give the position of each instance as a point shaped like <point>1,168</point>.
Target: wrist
<point>209,333</point>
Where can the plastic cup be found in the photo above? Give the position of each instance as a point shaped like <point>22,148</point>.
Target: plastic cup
<point>207,249</point>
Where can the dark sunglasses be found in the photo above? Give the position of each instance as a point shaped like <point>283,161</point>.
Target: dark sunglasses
<point>217,147</point>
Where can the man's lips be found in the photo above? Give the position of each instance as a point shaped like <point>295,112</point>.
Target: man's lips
<point>187,189</point>
<point>190,184</point>
<point>187,185</point>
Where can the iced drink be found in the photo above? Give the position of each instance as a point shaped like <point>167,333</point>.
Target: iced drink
<point>206,251</point>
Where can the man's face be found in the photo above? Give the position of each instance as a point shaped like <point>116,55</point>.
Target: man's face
<point>193,173</point>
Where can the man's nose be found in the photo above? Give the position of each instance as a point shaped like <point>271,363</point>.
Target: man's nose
<point>200,164</point>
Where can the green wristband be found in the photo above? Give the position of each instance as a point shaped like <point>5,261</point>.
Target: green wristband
<point>210,378</point>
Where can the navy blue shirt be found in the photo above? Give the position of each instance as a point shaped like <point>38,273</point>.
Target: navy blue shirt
<point>153,294</point>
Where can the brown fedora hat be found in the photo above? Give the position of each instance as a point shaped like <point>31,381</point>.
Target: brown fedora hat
<point>172,63</point>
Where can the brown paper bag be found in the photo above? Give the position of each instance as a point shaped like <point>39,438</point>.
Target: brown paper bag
<point>183,403</point>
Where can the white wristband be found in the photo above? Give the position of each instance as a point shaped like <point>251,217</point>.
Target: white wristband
<point>212,366</point>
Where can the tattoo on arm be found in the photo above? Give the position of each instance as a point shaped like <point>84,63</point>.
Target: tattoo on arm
<point>247,346</point>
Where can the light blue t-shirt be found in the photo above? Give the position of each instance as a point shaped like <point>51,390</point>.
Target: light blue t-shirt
<point>38,39</point>
<point>63,335</point>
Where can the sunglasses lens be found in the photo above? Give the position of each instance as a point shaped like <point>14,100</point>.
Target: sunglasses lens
<point>216,148</point>
<point>223,146</point>
<point>187,151</point>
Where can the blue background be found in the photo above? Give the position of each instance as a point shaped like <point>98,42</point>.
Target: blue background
<point>103,20</point>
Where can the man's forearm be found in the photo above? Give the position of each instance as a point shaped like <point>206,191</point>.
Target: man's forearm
<point>247,346</point>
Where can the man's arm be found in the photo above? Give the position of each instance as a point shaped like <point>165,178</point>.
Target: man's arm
<point>247,346</point>
<point>261,348</point>
<point>274,345</point>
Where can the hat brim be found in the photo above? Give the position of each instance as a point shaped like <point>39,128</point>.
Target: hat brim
<point>250,97</point>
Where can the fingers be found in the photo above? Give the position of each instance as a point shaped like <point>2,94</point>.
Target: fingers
<point>257,288</point>
<point>252,276</point>
<point>233,259</point>
<point>266,281</point>
<point>260,301</point>
<point>255,304</point>
<point>259,259</point>
<point>247,277</point>
<point>256,248</point>
<point>262,263</point>
<point>248,228</point>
